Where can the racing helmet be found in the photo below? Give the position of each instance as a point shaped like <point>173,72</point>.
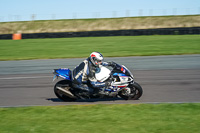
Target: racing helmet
<point>96,58</point>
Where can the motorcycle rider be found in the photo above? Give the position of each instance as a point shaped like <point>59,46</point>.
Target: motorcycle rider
<point>85,72</point>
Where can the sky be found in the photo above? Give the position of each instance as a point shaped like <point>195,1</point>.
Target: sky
<point>26,10</point>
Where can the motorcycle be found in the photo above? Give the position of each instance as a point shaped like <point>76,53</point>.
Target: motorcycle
<point>122,85</point>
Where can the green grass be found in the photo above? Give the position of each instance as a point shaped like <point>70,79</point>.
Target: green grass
<point>108,46</point>
<point>126,118</point>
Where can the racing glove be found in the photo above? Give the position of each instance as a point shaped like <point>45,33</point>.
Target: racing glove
<point>112,64</point>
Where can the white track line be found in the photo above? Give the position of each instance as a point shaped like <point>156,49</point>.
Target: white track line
<point>25,77</point>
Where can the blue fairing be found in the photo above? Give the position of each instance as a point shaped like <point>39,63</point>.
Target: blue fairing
<point>119,74</point>
<point>64,73</point>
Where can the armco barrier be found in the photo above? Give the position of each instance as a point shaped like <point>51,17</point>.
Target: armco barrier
<point>161,31</point>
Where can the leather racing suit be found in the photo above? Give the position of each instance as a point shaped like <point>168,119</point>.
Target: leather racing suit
<point>84,73</point>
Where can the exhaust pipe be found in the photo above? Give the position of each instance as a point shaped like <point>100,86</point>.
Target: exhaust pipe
<point>68,93</point>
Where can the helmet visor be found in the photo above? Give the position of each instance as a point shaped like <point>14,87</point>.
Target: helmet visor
<point>97,61</point>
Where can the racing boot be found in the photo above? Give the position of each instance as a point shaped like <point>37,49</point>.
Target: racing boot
<point>84,92</point>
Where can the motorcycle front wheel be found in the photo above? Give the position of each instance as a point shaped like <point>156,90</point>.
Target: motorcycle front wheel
<point>60,90</point>
<point>132,92</point>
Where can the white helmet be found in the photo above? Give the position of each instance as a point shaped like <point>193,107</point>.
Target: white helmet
<point>96,58</point>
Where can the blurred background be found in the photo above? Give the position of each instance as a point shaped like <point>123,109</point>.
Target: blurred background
<point>100,14</point>
<point>74,16</point>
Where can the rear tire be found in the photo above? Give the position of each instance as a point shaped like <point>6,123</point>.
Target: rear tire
<point>135,94</point>
<point>64,84</point>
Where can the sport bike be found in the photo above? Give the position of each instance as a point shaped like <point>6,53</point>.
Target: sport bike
<point>122,84</point>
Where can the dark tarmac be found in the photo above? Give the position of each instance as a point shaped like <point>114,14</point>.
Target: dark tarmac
<point>164,79</point>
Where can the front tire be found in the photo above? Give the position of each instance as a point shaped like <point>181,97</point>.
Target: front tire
<point>133,92</point>
<point>63,84</point>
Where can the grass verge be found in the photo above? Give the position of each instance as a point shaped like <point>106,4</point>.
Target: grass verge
<point>108,46</point>
<point>140,118</point>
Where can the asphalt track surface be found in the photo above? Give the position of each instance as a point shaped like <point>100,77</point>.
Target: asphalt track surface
<point>164,79</point>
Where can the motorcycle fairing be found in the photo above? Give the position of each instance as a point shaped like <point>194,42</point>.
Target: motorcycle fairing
<point>64,73</point>
<point>119,74</point>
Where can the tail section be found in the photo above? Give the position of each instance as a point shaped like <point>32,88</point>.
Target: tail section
<point>64,73</point>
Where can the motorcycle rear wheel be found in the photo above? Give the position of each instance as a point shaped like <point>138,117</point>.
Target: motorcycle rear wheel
<point>64,84</point>
<point>136,92</point>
